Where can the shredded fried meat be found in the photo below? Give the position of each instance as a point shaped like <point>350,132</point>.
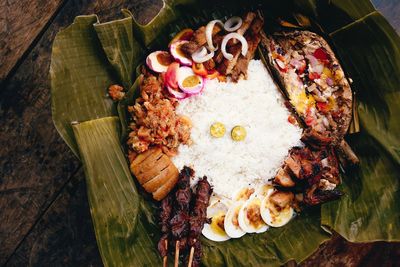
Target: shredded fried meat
<point>116,92</point>
<point>155,121</point>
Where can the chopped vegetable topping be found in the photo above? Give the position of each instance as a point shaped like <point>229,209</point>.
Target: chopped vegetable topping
<point>238,133</point>
<point>217,130</point>
<point>199,69</point>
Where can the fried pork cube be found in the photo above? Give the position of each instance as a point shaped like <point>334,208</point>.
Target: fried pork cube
<point>283,178</point>
<point>281,199</point>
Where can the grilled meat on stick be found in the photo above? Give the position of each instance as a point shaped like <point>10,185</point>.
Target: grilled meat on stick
<point>198,216</point>
<point>179,222</point>
<point>165,216</point>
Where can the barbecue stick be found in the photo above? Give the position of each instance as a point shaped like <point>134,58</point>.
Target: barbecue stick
<point>176,254</point>
<point>191,256</point>
<point>165,259</point>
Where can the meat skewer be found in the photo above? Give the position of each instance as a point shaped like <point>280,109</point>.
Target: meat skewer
<point>198,216</point>
<point>165,216</point>
<point>179,222</point>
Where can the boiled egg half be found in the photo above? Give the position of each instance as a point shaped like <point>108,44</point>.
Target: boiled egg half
<point>276,208</point>
<point>216,212</point>
<point>249,218</point>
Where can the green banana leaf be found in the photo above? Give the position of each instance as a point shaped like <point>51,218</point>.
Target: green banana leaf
<point>125,220</point>
<point>80,75</point>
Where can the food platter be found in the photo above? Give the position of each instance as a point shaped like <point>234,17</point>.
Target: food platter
<point>113,51</point>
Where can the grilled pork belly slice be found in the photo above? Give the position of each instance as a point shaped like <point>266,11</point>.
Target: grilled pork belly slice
<point>253,38</point>
<point>283,178</point>
<point>247,21</point>
<point>315,171</point>
<point>155,172</point>
<point>251,27</point>
<point>281,199</point>
<point>227,65</point>
<point>198,40</point>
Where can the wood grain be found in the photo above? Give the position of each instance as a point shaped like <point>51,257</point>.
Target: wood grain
<point>35,162</point>
<point>20,24</point>
<point>64,235</point>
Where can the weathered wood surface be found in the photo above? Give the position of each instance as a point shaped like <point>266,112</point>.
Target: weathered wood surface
<point>45,219</point>
<point>35,162</point>
<point>20,23</point>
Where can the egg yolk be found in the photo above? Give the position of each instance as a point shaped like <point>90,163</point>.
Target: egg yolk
<point>217,224</point>
<point>235,220</point>
<point>253,214</point>
<point>164,59</point>
<point>191,81</point>
<point>245,194</point>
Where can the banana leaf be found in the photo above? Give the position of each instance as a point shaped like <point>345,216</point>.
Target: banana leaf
<point>80,75</point>
<point>369,50</point>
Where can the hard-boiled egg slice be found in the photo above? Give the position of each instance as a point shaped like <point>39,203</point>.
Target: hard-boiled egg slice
<point>189,82</point>
<point>243,194</point>
<point>159,61</point>
<point>178,54</point>
<point>264,190</point>
<point>250,218</point>
<point>231,223</point>
<point>215,231</point>
<point>276,209</point>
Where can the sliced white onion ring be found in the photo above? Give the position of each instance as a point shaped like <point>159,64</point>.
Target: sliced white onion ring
<point>237,36</point>
<point>233,24</point>
<point>209,31</point>
<point>202,51</point>
<point>201,55</point>
<point>177,94</point>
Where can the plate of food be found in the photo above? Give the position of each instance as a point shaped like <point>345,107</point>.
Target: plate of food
<point>232,133</point>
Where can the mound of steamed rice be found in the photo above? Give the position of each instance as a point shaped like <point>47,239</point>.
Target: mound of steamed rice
<point>255,104</point>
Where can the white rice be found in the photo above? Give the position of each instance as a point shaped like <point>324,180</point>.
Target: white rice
<point>255,104</point>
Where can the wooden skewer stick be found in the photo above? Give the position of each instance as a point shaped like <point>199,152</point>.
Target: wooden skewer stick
<point>176,254</point>
<point>191,257</point>
<point>165,259</point>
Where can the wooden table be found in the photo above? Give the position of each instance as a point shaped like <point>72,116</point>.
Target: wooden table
<point>44,213</point>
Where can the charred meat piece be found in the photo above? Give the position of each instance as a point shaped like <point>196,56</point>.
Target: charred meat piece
<point>281,199</point>
<point>227,65</point>
<point>198,214</point>
<point>312,170</point>
<point>198,40</point>
<point>315,139</point>
<point>282,178</point>
<point>247,21</point>
<point>346,155</point>
<point>251,28</point>
<point>164,217</point>
<point>315,196</point>
<point>253,38</point>
<point>179,222</point>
